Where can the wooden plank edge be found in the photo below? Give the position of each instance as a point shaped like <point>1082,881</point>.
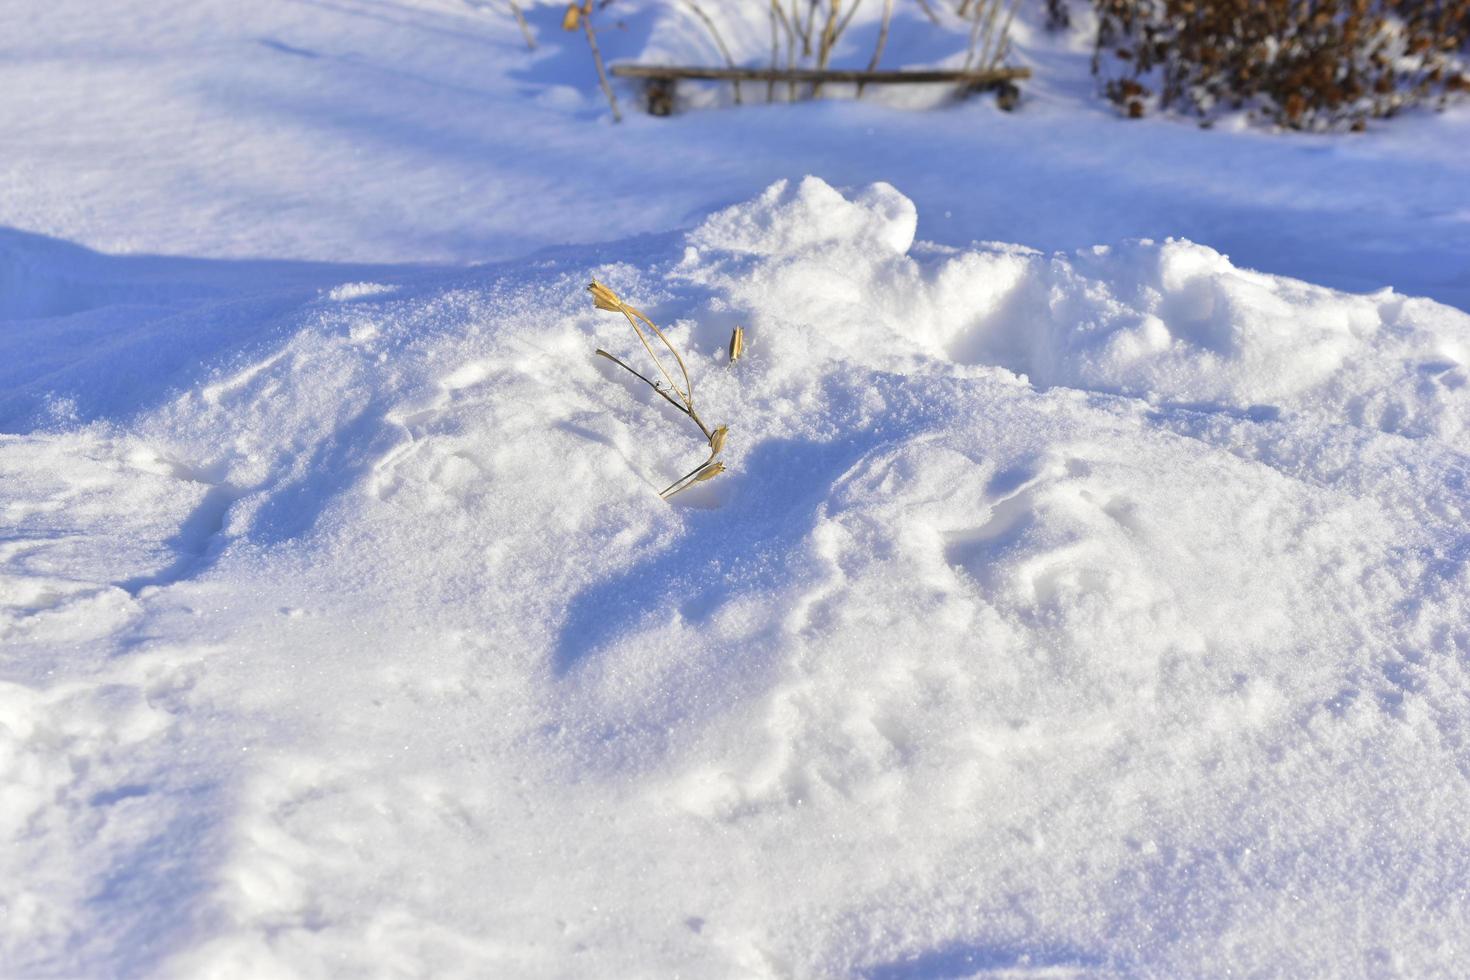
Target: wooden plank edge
<point>837,76</point>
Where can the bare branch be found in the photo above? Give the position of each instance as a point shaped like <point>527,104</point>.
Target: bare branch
<point>719,40</point>
<point>882,41</point>
<point>612,100</point>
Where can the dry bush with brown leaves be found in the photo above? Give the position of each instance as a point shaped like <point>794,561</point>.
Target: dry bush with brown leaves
<point>1304,64</point>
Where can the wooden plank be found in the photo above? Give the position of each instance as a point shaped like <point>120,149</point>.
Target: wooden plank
<point>835,75</point>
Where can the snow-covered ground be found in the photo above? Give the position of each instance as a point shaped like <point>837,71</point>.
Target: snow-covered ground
<point>1078,601</point>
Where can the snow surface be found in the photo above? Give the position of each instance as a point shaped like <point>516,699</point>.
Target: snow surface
<point>1089,611</point>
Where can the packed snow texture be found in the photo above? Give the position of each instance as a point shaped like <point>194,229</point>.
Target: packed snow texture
<point>1093,612</point>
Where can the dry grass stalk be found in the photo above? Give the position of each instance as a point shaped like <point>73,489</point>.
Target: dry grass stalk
<point>882,41</point>
<point>847,18</point>
<point>830,33</point>
<point>989,32</point>
<point>682,398</point>
<point>806,34</point>
<point>515,9</point>
<point>820,42</point>
<point>719,39</point>
<point>707,470</point>
<point>775,48</point>
<point>582,16</point>
<point>790,32</point>
<point>737,344</point>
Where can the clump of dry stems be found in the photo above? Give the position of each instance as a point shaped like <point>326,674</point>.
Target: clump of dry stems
<point>679,396</point>
<point>810,31</point>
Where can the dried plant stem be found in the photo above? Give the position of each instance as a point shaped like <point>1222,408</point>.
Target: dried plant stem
<point>987,44</point>
<point>832,31</point>
<point>847,19</point>
<point>975,26</point>
<point>515,8</point>
<point>688,393</point>
<point>612,99</point>
<point>703,471</point>
<point>882,41</point>
<point>663,393</point>
<point>1003,39</point>
<point>792,25</point>
<point>682,399</point>
<point>693,476</point>
<point>806,35</point>
<point>824,45</point>
<point>775,51</point>
<point>719,40</point>
<point>929,12</point>
<point>778,16</point>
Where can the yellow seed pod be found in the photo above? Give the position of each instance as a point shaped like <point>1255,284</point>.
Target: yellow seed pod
<point>708,471</point>
<point>572,19</point>
<point>717,440</point>
<point>602,297</point>
<point>737,344</point>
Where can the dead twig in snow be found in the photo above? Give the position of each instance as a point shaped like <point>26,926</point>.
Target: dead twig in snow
<point>515,9</point>
<point>581,16</point>
<point>882,41</point>
<point>682,398</point>
<point>719,40</point>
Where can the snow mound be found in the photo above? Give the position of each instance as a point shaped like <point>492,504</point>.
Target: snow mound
<point>1097,612</point>
<point>1175,323</point>
<point>787,219</point>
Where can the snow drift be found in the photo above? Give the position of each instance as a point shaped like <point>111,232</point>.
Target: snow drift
<point>1095,612</point>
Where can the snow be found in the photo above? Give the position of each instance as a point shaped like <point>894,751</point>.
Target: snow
<point>1086,595</point>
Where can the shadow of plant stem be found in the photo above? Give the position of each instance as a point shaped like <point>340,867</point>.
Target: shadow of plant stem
<point>681,398</point>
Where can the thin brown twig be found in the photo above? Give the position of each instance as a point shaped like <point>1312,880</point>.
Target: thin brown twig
<point>662,392</point>
<point>1003,39</point>
<point>515,8</point>
<point>649,347</point>
<point>719,40</point>
<point>688,479</point>
<point>792,27</point>
<point>842,24</point>
<point>882,41</point>
<point>775,51</point>
<point>681,399</point>
<point>688,393</point>
<point>612,99</point>
<point>975,24</point>
<point>983,31</point>
<point>824,47</point>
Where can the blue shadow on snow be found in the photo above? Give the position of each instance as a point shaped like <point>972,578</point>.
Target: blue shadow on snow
<point>745,545</point>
